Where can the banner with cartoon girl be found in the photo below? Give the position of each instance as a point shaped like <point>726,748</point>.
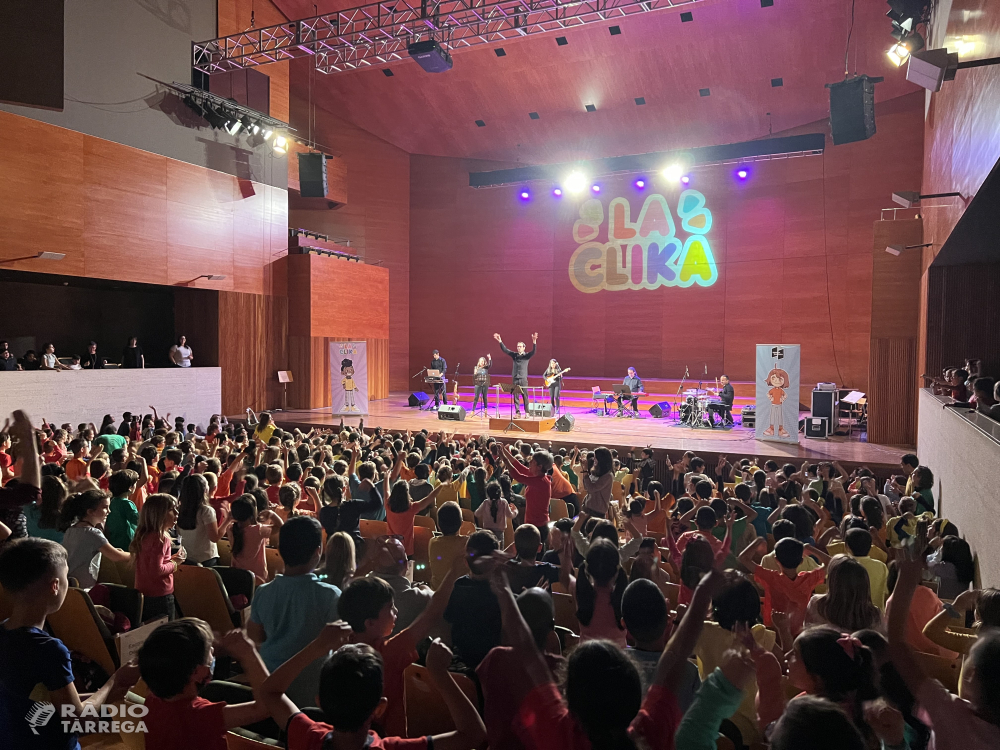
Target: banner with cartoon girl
<point>778,392</point>
<point>349,377</point>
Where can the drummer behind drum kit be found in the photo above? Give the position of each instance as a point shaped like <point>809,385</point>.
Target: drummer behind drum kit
<point>696,407</point>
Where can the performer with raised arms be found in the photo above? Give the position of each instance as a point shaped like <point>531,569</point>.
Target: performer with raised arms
<point>519,376</point>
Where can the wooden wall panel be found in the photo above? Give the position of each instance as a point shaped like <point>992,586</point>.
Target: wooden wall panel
<point>892,393</point>
<point>793,246</point>
<point>963,317</point>
<point>308,359</point>
<point>121,213</point>
<point>252,348</point>
<point>376,218</point>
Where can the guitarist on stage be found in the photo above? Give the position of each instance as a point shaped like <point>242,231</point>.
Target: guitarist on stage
<point>520,374</point>
<point>553,379</point>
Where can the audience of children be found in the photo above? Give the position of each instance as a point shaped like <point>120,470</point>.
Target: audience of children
<point>638,675</point>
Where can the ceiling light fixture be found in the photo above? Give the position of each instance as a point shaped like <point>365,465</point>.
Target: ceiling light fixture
<point>575,182</point>
<point>673,172</point>
<point>280,145</point>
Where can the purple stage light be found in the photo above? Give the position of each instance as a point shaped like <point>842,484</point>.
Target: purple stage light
<point>686,180</point>
<point>640,184</point>
<point>557,192</point>
<point>596,188</point>
<point>525,195</point>
<point>742,173</point>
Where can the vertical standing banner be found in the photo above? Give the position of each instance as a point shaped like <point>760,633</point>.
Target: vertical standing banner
<point>349,377</point>
<point>778,392</point>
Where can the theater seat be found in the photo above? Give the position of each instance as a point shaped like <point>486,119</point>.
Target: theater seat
<point>275,564</point>
<point>226,552</point>
<point>945,671</point>
<point>426,712</point>
<point>81,629</point>
<point>426,521</point>
<point>372,529</point>
<point>565,609</point>
<point>200,593</point>
<point>558,509</point>
<point>468,528</point>
<point>468,515</point>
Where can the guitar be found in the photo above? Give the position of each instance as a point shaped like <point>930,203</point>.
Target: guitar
<point>550,379</point>
<point>455,392</point>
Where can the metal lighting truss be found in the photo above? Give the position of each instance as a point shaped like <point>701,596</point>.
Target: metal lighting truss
<point>380,32</point>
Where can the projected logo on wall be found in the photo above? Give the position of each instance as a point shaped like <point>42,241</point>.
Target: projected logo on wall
<point>645,253</point>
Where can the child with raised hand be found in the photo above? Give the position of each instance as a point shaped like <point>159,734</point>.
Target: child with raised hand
<point>604,706</point>
<point>957,723</point>
<point>33,573</point>
<point>82,521</point>
<point>351,695</point>
<point>600,584</point>
<point>785,590</point>
<point>494,511</point>
<point>367,604</point>
<point>249,537</point>
<point>154,564</point>
<point>176,662</point>
<point>400,511</point>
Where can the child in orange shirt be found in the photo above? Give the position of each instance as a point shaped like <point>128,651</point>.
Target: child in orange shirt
<point>786,590</point>
<point>76,467</point>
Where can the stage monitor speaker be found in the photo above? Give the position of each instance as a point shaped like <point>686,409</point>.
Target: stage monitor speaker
<point>660,410</point>
<point>817,427</point>
<point>852,109</point>
<point>312,175</point>
<point>824,404</point>
<point>452,412</point>
<point>539,410</point>
<point>565,423</point>
<point>418,398</point>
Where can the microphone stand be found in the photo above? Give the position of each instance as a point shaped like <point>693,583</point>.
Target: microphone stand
<point>679,389</point>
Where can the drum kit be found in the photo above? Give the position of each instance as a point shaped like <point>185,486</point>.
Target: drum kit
<point>696,407</point>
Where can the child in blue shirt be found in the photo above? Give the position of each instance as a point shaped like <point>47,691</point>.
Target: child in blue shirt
<point>33,573</point>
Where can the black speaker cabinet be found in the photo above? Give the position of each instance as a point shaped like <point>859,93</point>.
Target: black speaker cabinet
<point>660,410</point>
<point>852,109</point>
<point>312,175</point>
<point>452,412</point>
<point>418,398</point>
<point>565,423</point>
<point>817,427</point>
<point>824,404</point>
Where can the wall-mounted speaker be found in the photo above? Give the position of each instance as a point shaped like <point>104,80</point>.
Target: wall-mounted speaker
<point>852,109</point>
<point>312,175</point>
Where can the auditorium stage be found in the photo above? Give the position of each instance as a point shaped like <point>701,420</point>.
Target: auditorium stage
<point>662,434</point>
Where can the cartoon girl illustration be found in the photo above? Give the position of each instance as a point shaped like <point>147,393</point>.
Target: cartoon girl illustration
<point>776,394</point>
<point>347,370</point>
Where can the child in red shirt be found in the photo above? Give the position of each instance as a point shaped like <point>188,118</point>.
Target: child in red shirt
<point>154,565</point>
<point>786,590</point>
<point>537,486</point>
<point>351,696</point>
<point>175,661</point>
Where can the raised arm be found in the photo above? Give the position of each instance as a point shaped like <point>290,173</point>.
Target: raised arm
<point>911,565</point>
<point>469,728</point>
<point>746,556</point>
<point>669,669</point>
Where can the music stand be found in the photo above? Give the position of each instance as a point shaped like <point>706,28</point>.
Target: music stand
<point>284,377</point>
<point>623,392</point>
<point>514,391</point>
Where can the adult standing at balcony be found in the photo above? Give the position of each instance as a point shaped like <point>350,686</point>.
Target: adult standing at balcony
<point>180,353</point>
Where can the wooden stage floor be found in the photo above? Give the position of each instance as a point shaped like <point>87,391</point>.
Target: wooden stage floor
<point>662,434</point>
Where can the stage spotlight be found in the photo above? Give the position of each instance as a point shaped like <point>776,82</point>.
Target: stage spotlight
<point>742,173</point>
<point>280,145</point>
<point>575,182</point>
<point>595,188</point>
<point>640,183</point>
<point>525,194</point>
<point>267,134</point>
<point>686,179</point>
<point>897,54</point>
<point>557,192</point>
<point>233,127</point>
<point>673,172</point>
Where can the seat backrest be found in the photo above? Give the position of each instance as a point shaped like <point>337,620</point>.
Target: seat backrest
<point>81,629</point>
<point>200,593</point>
<point>275,564</point>
<point>617,492</point>
<point>558,509</point>
<point>508,534</point>
<point>421,539</point>
<point>108,572</point>
<point>226,552</point>
<point>371,529</point>
<point>468,528</point>
<point>426,521</point>
<point>565,609</point>
<point>945,671</point>
<point>426,712</point>
<point>236,740</point>
<point>468,515</point>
